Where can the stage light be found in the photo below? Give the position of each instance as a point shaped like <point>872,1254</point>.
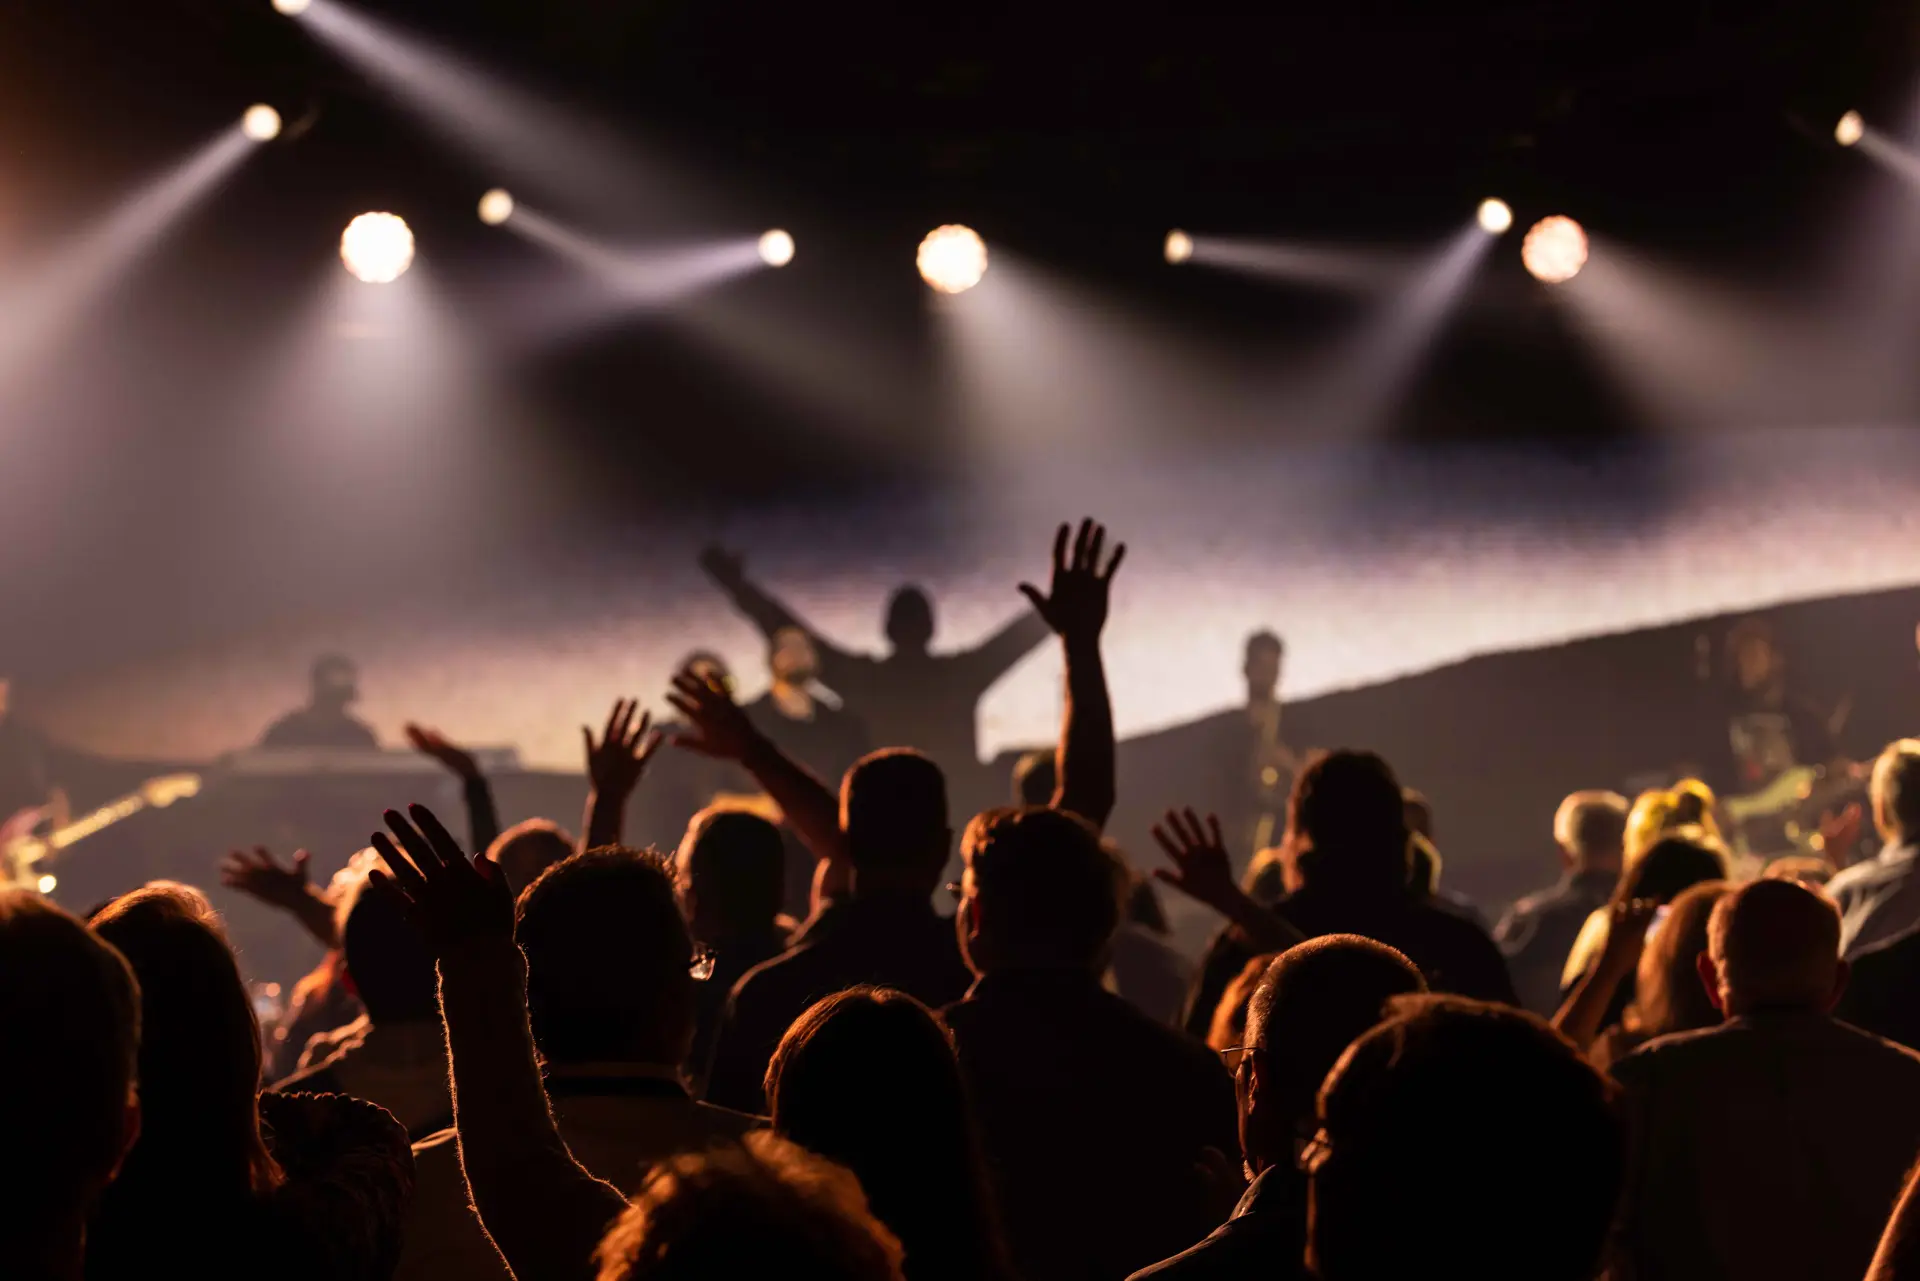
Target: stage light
<point>952,258</point>
<point>292,8</point>
<point>377,247</point>
<point>48,883</point>
<point>496,207</point>
<point>261,123</point>
<point>1179,246</point>
<point>1495,217</point>
<point>1555,249</point>
<point>776,248</point>
<point>1850,129</point>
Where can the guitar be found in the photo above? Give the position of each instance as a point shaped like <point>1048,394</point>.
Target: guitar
<point>22,854</point>
<point>1783,817</point>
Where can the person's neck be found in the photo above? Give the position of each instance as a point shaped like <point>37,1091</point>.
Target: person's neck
<point>1583,868</point>
<point>792,701</point>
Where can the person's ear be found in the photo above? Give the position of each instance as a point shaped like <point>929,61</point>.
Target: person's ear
<point>1841,973</point>
<point>1710,979</point>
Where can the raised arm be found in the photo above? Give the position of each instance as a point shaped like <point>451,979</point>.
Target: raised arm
<point>1202,871</point>
<point>1580,1015</point>
<point>259,876</point>
<point>1898,1258</point>
<point>544,1212</point>
<point>719,729</point>
<point>614,768</point>
<point>483,820</point>
<point>728,571</point>
<point>1075,608</point>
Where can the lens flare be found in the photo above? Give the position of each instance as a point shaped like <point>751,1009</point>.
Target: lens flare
<point>261,123</point>
<point>1179,247</point>
<point>952,258</point>
<point>1555,249</point>
<point>776,248</point>
<point>1495,216</point>
<point>292,8</point>
<point>496,207</point>
<point>1850,130</point>
<point>377,247</point>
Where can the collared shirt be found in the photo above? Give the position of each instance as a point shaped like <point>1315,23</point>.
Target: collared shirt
<point>1878,899</point>
<point>618,1119</point>
<point>1266,1237</point>
<point>1537,933</point>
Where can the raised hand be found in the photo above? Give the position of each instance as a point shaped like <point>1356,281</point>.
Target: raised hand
<point>1200,868</point>
<point>1627,924</point>
<point>452,899</point>
<point>259,875</point>
<point>717,726</point>
<point>1839,833</point>
<point>433,743</point>
<point>1075,605</point>
<point>722,565</point>
<point>616,762</point>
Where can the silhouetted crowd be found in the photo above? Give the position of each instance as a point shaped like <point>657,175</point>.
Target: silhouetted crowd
<point>533,1056</point>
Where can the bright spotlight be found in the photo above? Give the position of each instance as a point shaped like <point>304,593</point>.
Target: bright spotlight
<point>496,207</point>
<point>1495,217</point>
<point>48,883</point>
<point>1179,246</point>
<point>776,248</point>
<point>261,123</point>
<point>952,258</point>
<point>292,8</point>
<point>1555,249</point>
<point>377,247</point>
<point>1850,130</point>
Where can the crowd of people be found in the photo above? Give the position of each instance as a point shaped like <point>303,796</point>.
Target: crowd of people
<point>535,1056</point>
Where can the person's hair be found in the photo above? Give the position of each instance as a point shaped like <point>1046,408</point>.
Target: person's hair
<point>1034,777</point>
<point>1048,891</point>
<point>1460,1138</point>
<point>736,868</point>
<point>1314,1000</point>
<point>608,957</point>
<point>910,618</point>
<point>1687,804</point>
<point>1667,994</point>
<point>1590,824</point>
<point>70,1019</point>
<point>389,963</point>
<point>200,1055</point>
<point>893,808</point>
<point>1775,943</point>
<point>1266,640</point>
<point>1419,811</point>
<point>762,1209</point>
<point>1228,1027</point>
<point>867,1078</point>
<point>1347,809</point>
<point>1895,789</point>
<point>1424,866</point>
<point>529,848</point>
<point>1677,861</point>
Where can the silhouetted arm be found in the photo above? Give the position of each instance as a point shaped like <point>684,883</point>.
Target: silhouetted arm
<point>1202,871</point>
<point>259,876</point>
<point>1075,607</point>
<point>1580,1015</point>
<point>1898,1258</point>
<point>543,1211</point>
<point>729,574</point>
<point>483,820</point>
<point>991,659</point>
<point>614,768</point>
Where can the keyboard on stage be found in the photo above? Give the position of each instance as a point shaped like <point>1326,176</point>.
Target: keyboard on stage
<point>296,762</point>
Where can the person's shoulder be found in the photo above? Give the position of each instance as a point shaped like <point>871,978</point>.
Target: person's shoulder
<point>1865,1044</point>
<point>1665,1054</point>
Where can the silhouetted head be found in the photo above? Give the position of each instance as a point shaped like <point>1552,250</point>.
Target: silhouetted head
<point>1668,996</point>
<point>1774,945</point>
<point>1674,863</point>
<point>608,960</point>
<point>1314,1000</point>
<point>1754,660</point>
<point>765,1208</point>
<point>1459,1138</point>
<point>1040,891</point>
<point>70,1019</point>
<point>893,808</point>
<point>730,872</point>
<point>336,681</point>
<point>867,1078</point>
<point>1591,830</point>
<point>1264,654</point>
<point>706,664</point>
<point>910,620</point>
<point>1034,777</point>
<point>1895,790</point>
<point>792,657</point>
<point>529,848</point>
<point>1348,815</point>
<point>199,1054</point>
<point>390,964</point>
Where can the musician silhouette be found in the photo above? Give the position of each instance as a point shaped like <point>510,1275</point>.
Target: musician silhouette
<point>912,697</point>
<point>324,721</point>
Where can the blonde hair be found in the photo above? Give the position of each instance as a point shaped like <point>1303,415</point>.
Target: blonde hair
<point>1688,804</point>
<point>1895,789</point>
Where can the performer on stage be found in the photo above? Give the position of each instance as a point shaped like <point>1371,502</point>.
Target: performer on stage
<point>1771,728</point>
<point>1270,764</point>
<point>824,738</point>
<point>324,721</point>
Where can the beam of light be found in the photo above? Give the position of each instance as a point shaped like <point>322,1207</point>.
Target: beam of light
<point>38,309</point>
<point>776,248</point>
<point>377,247</point>
<point>1372,375</point>
<point>1341,269</point>
<point>292,8</point>
<point>509,129</point>
<point>1178,247</point>
<point>496,207</point>
<point>1889,154</point>
<point>1495,216</point>
<point>952,259</point>
<point>1555,249</point>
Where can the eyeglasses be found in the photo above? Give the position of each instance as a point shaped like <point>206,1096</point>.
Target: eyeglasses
<point>1233,1056</point>
<point>956,889</point>
<point>700,969</point>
